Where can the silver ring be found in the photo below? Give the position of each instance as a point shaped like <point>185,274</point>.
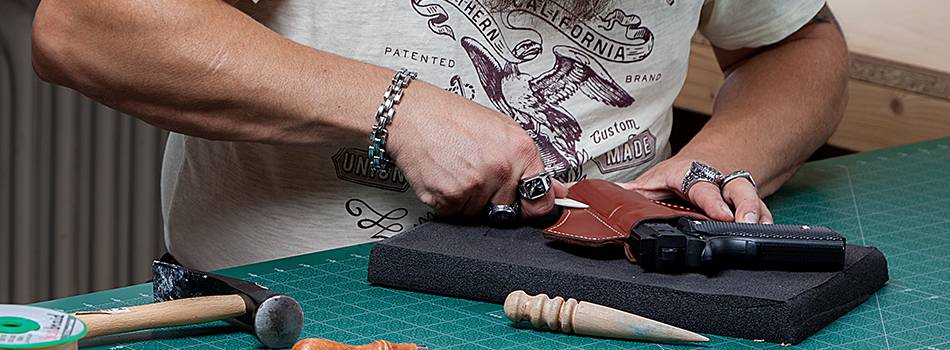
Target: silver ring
<point>535,187</point>
<point>503,214</point>
<point>700,172</point>
<point>737,175</point>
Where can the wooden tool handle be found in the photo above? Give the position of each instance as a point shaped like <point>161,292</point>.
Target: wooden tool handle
<point>541,311</point>
<point>585,318</point>
<point>173,313</point>
<point>325,344</point>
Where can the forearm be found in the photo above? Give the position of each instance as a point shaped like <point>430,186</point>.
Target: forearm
<point>777,107</point>
<point>204,68</point>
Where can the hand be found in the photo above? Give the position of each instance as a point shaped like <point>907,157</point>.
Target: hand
<point>738,201</point>
<point>459,155</point>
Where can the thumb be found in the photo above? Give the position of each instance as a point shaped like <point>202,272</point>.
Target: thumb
<point>628,185</point>
<point>640,183</point>
<point>649,181</point>
<point>646,189</point>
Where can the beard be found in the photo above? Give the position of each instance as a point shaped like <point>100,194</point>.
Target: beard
<point>584,10</point>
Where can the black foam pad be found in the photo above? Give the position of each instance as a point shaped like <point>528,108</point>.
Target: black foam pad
<point>486,264</point>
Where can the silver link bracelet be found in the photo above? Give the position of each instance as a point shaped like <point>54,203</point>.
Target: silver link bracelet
<point>379,162</point>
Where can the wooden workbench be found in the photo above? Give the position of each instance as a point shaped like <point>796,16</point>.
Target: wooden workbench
<point>899,90</point>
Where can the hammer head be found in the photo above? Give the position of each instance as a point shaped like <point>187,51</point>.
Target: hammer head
<point>276,319</point>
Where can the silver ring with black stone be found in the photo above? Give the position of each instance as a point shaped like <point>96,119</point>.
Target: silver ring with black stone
<point>738,174</point>
<point>503,214</point>
<point>535,187</point>
<point>700,172</point>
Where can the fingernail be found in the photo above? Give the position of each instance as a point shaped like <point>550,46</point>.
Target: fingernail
<point>751,217</point>
<point>767,222</point>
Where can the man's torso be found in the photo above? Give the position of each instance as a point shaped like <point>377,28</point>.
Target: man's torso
<point>595,95</point>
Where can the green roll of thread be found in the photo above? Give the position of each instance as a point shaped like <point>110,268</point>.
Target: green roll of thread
<point>30,327</point>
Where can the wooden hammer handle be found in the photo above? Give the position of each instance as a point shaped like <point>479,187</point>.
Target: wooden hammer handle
<point>173,313</point>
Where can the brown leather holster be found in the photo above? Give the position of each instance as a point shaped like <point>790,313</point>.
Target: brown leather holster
<point>612,213</point>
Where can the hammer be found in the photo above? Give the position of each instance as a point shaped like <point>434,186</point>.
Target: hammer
<point>184,296</point>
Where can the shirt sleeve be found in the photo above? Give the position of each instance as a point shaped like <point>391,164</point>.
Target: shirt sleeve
<point>735,24</point>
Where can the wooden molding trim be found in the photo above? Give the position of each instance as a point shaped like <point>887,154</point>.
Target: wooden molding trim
<point>900,76</point>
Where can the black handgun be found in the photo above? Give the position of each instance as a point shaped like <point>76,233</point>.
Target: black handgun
<point>707,246</point>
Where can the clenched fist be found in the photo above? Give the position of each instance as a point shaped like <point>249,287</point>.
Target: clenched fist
<point>459,155</point>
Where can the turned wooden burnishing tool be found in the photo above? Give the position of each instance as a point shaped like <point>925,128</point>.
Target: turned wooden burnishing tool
<point>571,316</point>
<point>326,344</point>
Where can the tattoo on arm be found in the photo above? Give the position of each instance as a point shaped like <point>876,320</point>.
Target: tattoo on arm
<point>825,16</point>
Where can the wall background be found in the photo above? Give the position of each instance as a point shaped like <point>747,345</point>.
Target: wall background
<point>79,182</point>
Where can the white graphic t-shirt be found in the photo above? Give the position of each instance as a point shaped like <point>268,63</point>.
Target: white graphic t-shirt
<point>595,95</point>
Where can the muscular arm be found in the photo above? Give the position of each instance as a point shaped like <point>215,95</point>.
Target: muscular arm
<point>203,68</point>
<point>778,104</point>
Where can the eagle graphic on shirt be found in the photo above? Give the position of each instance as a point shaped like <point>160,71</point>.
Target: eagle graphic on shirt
<point>535,101</point>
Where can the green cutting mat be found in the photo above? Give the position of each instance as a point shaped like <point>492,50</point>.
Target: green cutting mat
<point>897,200</point>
